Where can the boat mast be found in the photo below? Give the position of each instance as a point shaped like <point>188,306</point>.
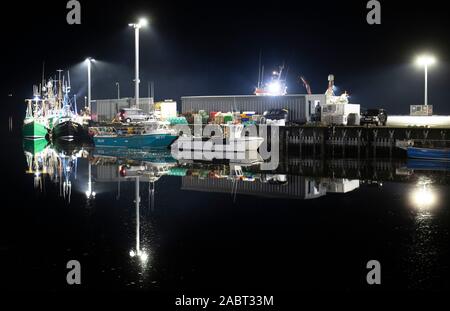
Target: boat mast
<point>59,89</point>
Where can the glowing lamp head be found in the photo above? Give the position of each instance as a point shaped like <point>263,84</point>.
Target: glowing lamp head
<point>274,87</point>
<point>425,60</point>
<point>143,22</point>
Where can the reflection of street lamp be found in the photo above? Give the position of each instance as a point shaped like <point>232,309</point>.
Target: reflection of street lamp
<point>425,61</point>
<point>423,197</point>
<point>138,252</point>
<point>89,193</point>
<point>142,23</point>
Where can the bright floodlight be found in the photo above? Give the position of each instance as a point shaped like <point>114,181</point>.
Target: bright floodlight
<point>425,60</point>
<point>143,22</point>
<point>274,87</point>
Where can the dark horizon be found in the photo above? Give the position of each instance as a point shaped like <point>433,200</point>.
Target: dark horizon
<point>207,50</point>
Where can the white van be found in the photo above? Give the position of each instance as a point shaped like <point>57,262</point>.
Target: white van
<point>132,115</point>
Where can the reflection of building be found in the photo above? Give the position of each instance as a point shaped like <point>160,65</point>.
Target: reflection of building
<point>340,185</point>
<point>293,187</point>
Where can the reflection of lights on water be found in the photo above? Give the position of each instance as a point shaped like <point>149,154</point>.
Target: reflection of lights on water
<point>90,194</point>
<point>423,197</point>
<point>141,254</point>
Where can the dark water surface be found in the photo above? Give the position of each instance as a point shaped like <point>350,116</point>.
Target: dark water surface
<point>312,225</point>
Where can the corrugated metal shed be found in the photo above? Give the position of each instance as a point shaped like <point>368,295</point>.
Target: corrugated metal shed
<point>298,105</point>
<point>104,110</point>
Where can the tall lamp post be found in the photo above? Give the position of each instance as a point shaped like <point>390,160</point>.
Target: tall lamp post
<point>89,61</point>
<point>137,26</point>
<point>425,61</point>
<point>118,90</point>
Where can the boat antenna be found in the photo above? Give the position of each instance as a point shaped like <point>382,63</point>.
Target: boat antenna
<point>259,70</point>
<point>43,74</point>
<point>286,74</point>
<point>68,81</point>
<point>262,74</point>
<point>59,84</point>
<point>75,103</point>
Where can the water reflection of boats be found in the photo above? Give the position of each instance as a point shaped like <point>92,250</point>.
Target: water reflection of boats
<point>243,158</point>
<point>437,154</point>
<point>142,154</point>
<point>34,146</point>
<point>427,165</point>
<point>58,162</point>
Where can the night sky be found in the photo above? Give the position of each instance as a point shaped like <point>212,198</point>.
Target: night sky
<point>212,48</point>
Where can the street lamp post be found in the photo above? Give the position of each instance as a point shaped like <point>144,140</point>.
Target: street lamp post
<point>425,61</point>
<point>142,23</point>
<point>118,90</point>
<point>89,98</point>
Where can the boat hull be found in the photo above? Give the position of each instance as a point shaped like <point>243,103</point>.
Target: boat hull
<point>69,131</point>
<point>34,146</point>
<point>159,141</point>
<point>429,153</point>
<point>34,130</point>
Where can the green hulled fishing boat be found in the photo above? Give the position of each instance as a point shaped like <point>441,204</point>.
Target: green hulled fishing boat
<point>33,129</point>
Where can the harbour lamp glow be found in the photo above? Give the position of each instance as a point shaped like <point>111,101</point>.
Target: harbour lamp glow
<point>143,22</point>
<point>425,61</point>
<point>274,88</point>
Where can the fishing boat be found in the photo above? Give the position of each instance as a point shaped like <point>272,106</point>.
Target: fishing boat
<point>68,125</point>
<point>34,129</point>
<point>35,124</point>
<point>44,111</point>
<point>233,141</point>
<point>155,134</point>
<point>439,154</point>
<point>70,130</point>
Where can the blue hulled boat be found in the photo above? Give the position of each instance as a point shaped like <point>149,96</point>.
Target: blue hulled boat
<point>135,141</point>
<point>440,154</point>
<point>153,135</point>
